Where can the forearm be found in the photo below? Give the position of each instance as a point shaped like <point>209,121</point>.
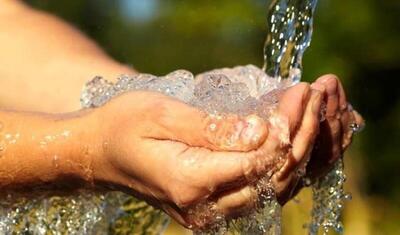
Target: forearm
<point>45,61</point>
<point>44,150</point>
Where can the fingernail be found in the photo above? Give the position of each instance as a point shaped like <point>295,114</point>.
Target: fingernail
<point>251,132</point>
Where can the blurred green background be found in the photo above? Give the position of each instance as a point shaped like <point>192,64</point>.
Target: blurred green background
<point>359,40</point>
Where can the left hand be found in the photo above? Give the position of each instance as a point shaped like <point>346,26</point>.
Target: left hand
<point>336,131</point>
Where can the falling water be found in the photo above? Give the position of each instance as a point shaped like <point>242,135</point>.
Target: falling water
<point>290,24</point>
<point>242,90</point>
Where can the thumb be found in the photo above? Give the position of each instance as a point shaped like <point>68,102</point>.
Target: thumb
<point>196,128</point>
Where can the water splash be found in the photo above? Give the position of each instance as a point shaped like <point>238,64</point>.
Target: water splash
<point>83,212</point>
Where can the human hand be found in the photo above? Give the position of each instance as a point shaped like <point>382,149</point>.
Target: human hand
<point>174,156</point>
<point>337,130</point>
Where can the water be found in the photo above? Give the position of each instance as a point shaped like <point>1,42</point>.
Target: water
<point>242,90</point>
<point>290,24</point>
<point>328,202</point>
<point>84,212</point>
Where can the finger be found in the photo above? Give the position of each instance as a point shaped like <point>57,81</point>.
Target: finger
<point>178,121</point>
<point>176,214</point>
<point>342,96</point>
<point>285,188</point>
<point>292,108</point>
<point>305,136</point>
<point>319,87</point>
<point>330,83</point>
<point>238,168</point>
<point>355,124</point>
<point>237,202</point>
<point>190,173</point>
<point>227,206</point>
<point>331,142</point>
<point>309,127</point>
<point>292,104</point>
<point>359,120</point>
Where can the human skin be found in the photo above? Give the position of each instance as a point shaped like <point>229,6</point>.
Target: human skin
<point>106,147</point>
<point>42,56</point>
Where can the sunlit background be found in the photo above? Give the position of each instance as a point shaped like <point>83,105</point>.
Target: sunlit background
<point>359,40</point>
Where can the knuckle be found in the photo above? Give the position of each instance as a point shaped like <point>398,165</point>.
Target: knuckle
<point>183,196</point>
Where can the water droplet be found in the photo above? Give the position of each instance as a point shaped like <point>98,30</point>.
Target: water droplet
<point>355,127</point>
<point>255,138</point>
<point>348,197</point>
<point>66,133</point>
<point>7,136</point>
<point>55,161</point>
<point>306,181</point>
<point>49,138</point>
<point>213,127</point>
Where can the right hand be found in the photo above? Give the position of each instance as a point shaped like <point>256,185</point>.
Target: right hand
<point>173,156</point>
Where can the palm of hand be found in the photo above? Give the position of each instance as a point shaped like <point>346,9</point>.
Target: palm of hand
<point>165,151</point>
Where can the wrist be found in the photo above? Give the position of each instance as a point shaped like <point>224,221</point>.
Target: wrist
<point>80,145</point>
<point>45,150</point>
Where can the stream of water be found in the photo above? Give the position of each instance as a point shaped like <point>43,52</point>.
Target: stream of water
<point>242,90</point>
